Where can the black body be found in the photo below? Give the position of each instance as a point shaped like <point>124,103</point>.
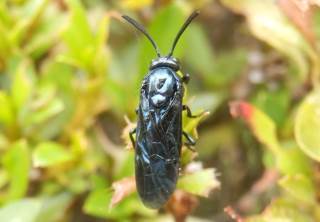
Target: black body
<point>159,127</point>
<point>158,136</point>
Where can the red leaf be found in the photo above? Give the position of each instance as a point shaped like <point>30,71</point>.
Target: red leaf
<point>122,189</point>
<point>241,109</point>
<point>261,125</point>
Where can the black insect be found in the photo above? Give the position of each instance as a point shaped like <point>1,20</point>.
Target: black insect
<point>159,128</point>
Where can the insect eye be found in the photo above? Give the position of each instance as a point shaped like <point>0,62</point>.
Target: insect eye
<point>161,83</point>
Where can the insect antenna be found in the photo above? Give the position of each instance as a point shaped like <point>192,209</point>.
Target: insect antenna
<point>183,28</point>
<point>142,29</point>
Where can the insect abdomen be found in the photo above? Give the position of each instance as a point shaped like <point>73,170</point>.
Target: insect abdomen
<point>156,178</point>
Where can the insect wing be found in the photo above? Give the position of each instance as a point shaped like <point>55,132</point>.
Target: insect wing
<point>157,151</point>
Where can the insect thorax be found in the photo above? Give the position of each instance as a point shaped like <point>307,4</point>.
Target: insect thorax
<point>161,86</point>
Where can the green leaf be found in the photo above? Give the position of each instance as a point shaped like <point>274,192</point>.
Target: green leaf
<point>307,125</point>
<point>223,73</point>
<point>30,14</point>
<point>48,209</point>
<point>43,107</point>
<point>41,112</point>
<point>102,34</point>
<point>62,98</point>
<point>53,108</point>
<point>54,208</point>
<point>98,181</point>
<point>191,125</point>
<point>46,33</point>
<point>76,179</point>
<point>101,56</point>
<point>78,26</point>
<point>199,183</point>
<point>292,161</point>
<point>198,43</point>
<point>98,204</point>
<point>5,44</point>
<point>288,160</point>
<point>201,106</point>
<point>122,96</point>
<point>25,210</point>
<point>17,163</point>
<point>6,111</point>
<point>282,211</point>
<point>274,103</point>
<point>208,101</point>
<point>23,84</point>
<point>208,146</point>
<point>81,50</point>
<point>4,178</point>
<point>88,52</point>
<point>63,81</point>
<point>300,187</point>
<point>5,16</point>
<point>124,166</point>
<point>261,125</point>
<point>265,130</point>
<point>49,154</point>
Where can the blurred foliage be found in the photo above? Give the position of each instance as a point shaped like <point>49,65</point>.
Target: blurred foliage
<point>70,74</point>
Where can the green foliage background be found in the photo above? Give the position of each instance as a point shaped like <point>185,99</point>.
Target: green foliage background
<point>70,73</point>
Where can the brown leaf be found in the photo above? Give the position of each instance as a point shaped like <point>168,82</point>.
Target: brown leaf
<point>300,14</point>
<point>122,189</point>
<point>181,204</point>
<point>125,133</point>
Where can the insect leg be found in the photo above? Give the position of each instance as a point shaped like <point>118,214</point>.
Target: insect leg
<point>186,78</point>
<point>191,141</point>
<point>132,131</point>
<point>189,113</point>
